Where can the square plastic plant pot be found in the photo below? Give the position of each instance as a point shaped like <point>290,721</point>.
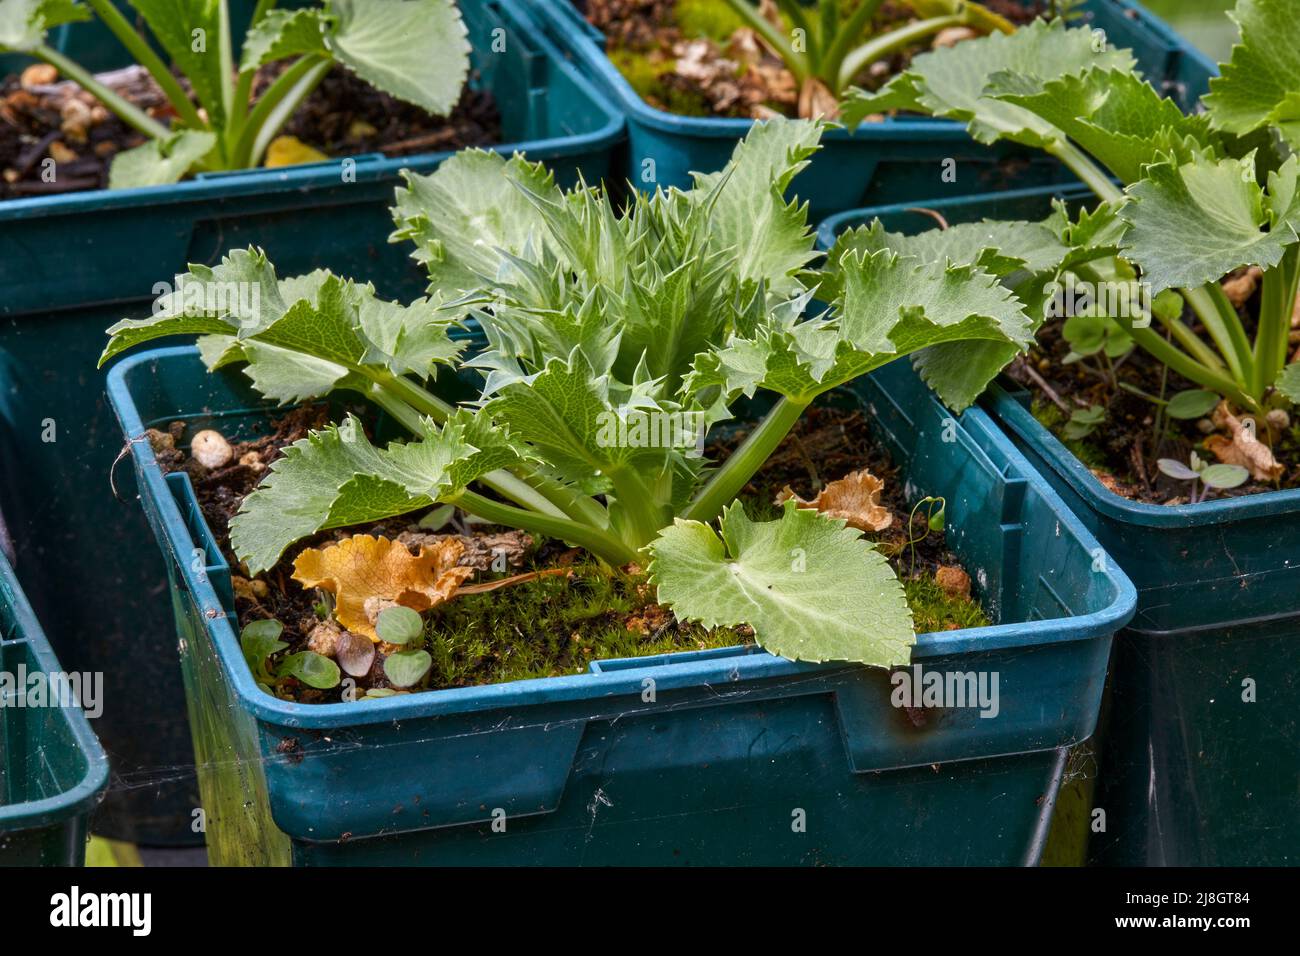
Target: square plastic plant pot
<point>1197,764</point>
<point>103,246</point>
<point>72,265</point>
<point>52,770</point>
<point>889,161</point>
<point>726,756</point>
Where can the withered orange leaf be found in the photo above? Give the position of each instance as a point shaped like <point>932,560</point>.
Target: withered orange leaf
<point>854,498</point>
<point>1242,447</point>
<point>363,567</point>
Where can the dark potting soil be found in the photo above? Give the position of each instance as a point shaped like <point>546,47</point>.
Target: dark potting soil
<point>344,116</point>
<point>697,58</point>
<point>57,138</point>
<point>560,622</point>
<point>1123,450</point>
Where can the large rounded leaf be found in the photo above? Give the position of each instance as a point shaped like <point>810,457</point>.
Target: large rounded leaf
<point>811,589</point>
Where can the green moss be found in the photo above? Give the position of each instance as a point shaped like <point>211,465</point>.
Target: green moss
<point>707,18</point>
<point>550,627</point>
<point>934,610</point>
<point>558,625</point>
<point>1053,419</point>
<point>645,73</point>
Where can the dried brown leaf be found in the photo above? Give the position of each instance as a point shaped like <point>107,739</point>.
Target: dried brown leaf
<point>1241,447</point>
<point>364,568</point>
<point>855,498</point>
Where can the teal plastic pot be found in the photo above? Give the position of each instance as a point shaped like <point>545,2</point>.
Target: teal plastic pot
<point>1198,759</point>
<point>735,757</point>
<point>891,161</point>
<point>71,266</point>
<point>52,770</point>
<point>105,246</point>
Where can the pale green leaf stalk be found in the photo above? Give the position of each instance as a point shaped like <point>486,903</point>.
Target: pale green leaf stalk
<point>415,50</point>
<point>615,338</point>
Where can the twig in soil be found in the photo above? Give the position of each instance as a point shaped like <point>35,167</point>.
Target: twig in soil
<point>27,159</point>
<point>438,138</point>
<point>1139,463</point>
<point>932,213</point>
<point>1047,390</point>
<point>486,586</point>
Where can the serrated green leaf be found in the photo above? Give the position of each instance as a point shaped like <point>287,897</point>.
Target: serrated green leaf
<point>23,23</point>
<point>301,337</point>
<point>951,82</point>
<point>1288,383</point>
<point>999,247</point>
<point>811,589</point>
<point>1114,114</point>
<point>296,498</point>
<point>159,162</point>
<point>1196,222</point>
<point>314,670</point>
<point>1260,85</point>
<point>284,33</point>
<point>416,50</point>
<point>335,478</point>
<point>886,306</point>
<point>565,414</point>
<point>898,305</point>
<point>467,212</point>
<point>767,238</point>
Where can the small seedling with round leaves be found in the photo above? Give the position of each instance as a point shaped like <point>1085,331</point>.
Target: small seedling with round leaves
<point>407,668</point>
<point>1213,477</point>
<point>399,625</point>
<point>314,670</point>
<point>259,640</point>
<point>1084,422</point>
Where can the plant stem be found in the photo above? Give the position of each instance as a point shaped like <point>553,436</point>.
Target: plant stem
<point>600,543</point>
<point>1277,302</point>
<point>736,471</point>
<point>144,54</point>
<point>129,113</point>
<point>1092,175</point>
<point>226,56</point>
<point>799,21</point>
<point>1186,366</point>
<point>573,503</point>
<point>640,517</point>
<point>1220,320</point>
<point>244,85</point>
<point>887,43</point>
<point>276,105</point>
<point>845,37</point>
